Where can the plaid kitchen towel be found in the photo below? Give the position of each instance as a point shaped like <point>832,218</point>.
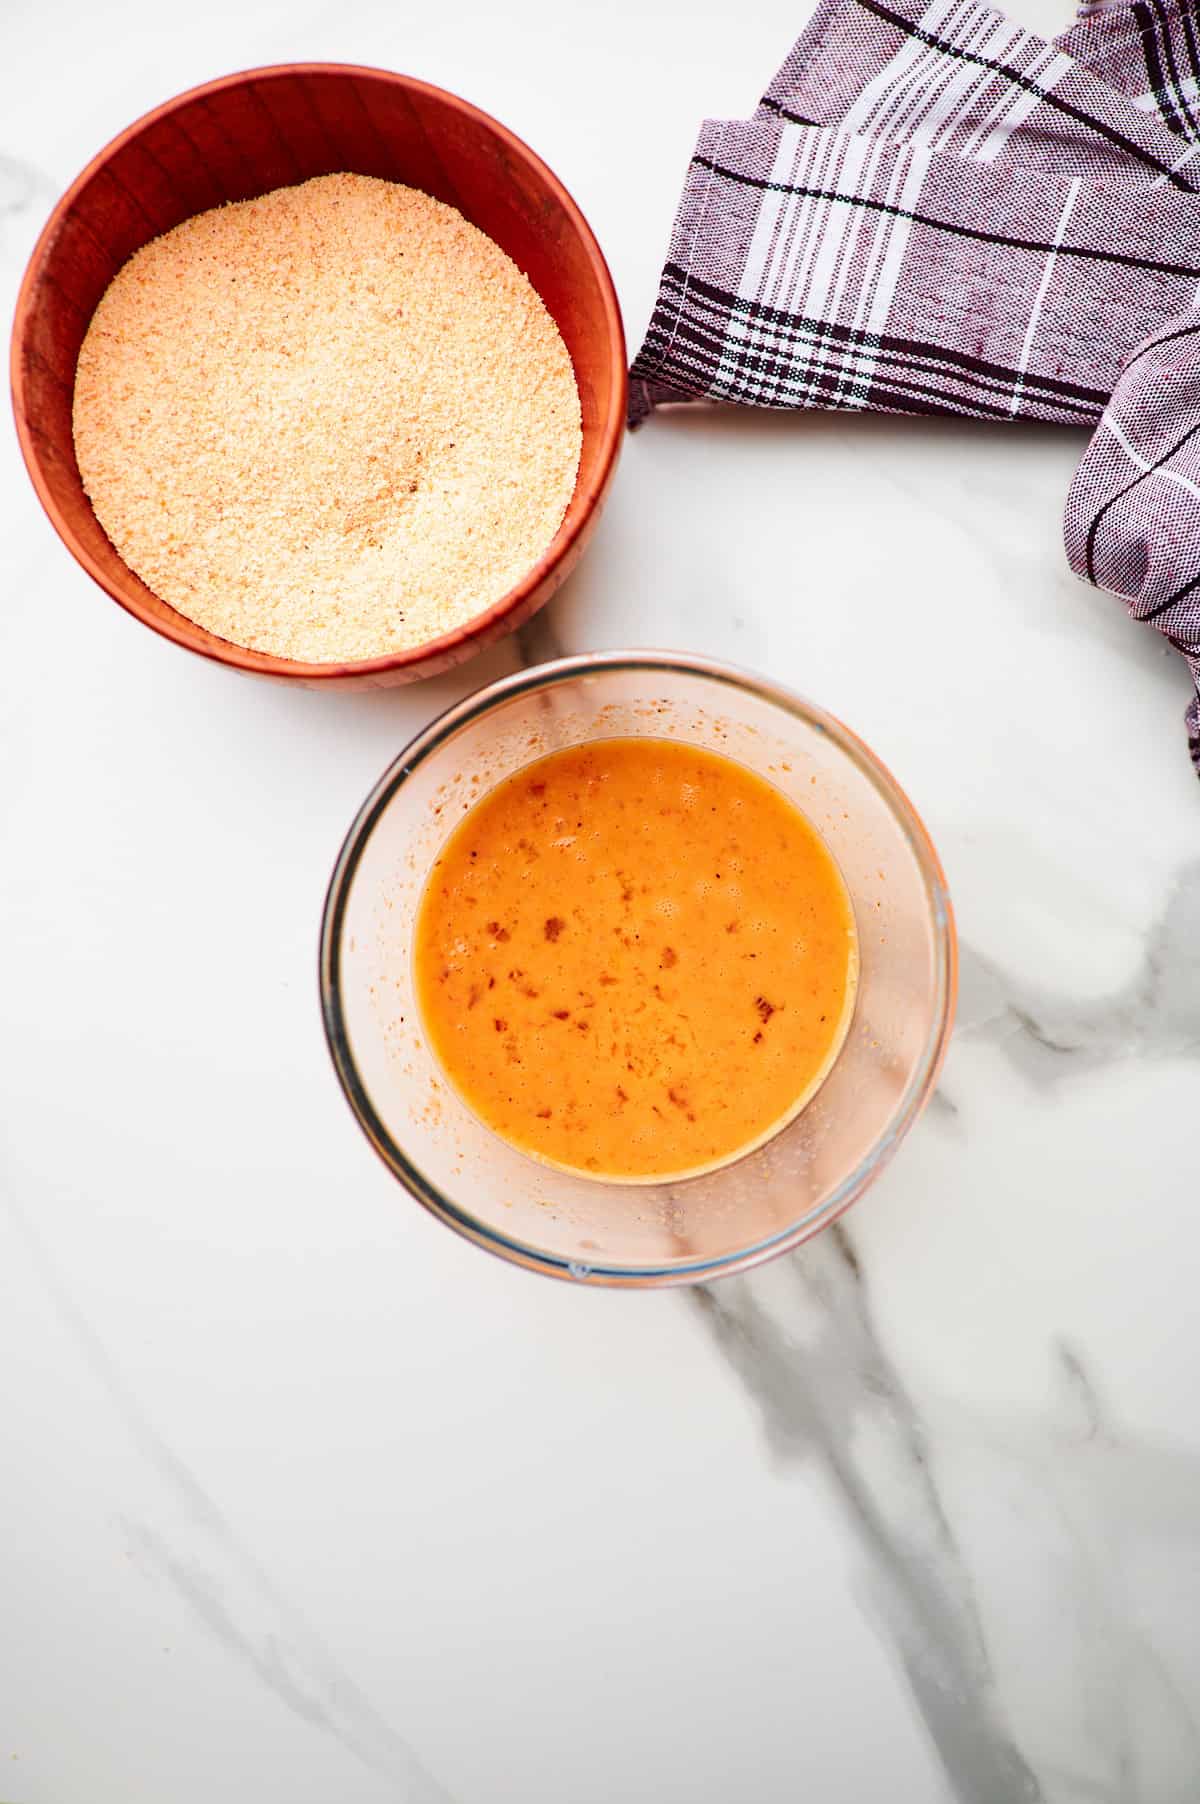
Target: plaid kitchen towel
<point>935,211</point>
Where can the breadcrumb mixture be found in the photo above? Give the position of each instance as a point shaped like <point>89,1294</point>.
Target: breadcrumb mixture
<point>330,423</point>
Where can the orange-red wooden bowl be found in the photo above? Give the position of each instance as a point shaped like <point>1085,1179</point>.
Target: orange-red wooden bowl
<point>243,136</point>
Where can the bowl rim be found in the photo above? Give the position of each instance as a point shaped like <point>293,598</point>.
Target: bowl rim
<point>528,681</point>
<point>450,647</point>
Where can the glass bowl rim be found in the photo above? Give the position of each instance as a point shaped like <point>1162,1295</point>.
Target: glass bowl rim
<point>528,681</point>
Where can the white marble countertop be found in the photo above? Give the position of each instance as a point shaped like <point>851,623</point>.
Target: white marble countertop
<point>306,1500</point>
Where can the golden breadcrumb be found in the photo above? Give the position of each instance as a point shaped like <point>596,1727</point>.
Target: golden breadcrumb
<point>330,423</point>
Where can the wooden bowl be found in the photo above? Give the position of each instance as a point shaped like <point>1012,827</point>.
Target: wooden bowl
<point>242,136</point>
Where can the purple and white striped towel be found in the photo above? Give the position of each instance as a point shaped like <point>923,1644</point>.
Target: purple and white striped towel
<point>935,211</point>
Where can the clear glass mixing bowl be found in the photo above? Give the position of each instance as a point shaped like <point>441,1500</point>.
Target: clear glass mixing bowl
<point>644,1234</point>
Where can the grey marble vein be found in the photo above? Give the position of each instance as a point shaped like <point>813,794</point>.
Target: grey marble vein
<point>1130,1491</point>
<point>800,1338</point>
<point>23,189</point>
<point>1082,1394</point>
<point>1049,1034</point>
<point>226,1587</point>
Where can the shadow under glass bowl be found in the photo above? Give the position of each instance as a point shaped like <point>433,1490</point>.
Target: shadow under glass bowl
<point>242,136</point>
<point>644,1234</point>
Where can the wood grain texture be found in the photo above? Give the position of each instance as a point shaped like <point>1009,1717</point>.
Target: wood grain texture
<point>242,136</point>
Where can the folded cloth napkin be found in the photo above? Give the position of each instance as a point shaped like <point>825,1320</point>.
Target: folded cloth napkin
<point>936,211</point>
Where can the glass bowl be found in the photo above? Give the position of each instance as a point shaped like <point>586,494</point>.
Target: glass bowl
<point>638,1234</point>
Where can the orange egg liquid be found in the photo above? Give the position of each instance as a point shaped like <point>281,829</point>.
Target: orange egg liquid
<point>635,960</point>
